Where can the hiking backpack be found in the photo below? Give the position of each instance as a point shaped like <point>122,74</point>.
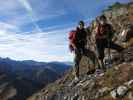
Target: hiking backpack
<point>72,39</point>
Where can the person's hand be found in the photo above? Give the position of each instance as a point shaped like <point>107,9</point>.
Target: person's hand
<point>73,45</point>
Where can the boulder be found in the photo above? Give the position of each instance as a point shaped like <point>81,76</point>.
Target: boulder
<point>122,90</point>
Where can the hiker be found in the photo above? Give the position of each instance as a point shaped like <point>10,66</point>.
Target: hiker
<point>104,34</point>
<point>78,40</point>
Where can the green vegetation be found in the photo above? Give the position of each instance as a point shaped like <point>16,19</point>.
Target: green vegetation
<point>115,6</point>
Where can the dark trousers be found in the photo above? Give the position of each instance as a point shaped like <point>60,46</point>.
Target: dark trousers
<point>84,52</point>
<point>104,43</point>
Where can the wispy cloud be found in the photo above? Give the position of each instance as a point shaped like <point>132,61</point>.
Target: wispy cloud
<point>29,9</point>
<point>22,12</point>
<point>39,46</point>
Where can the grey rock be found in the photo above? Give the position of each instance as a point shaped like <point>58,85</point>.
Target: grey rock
<point>129,83</point>
<point>65,98</point>
<point>122,90</point>
<point>113,94</point>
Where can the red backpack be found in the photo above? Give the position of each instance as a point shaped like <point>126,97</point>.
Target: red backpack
<point>72,39</point>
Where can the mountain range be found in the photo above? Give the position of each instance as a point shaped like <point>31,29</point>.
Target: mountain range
<point>20,79</point>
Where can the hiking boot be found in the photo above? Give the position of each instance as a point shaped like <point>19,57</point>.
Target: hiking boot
<point>99,72</point>
<point>91,72</point>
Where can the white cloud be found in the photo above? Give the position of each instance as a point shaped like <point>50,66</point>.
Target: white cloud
<point>43,46</point>
<point>6,26</point>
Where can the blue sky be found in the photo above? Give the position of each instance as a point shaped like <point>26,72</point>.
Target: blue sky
<point>38,29</point>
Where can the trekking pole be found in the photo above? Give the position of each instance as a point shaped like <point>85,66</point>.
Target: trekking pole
<point>97,59</point>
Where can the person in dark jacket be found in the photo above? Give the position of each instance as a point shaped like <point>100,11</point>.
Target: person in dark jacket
<point>104,33</point>
<point>78,45</point>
